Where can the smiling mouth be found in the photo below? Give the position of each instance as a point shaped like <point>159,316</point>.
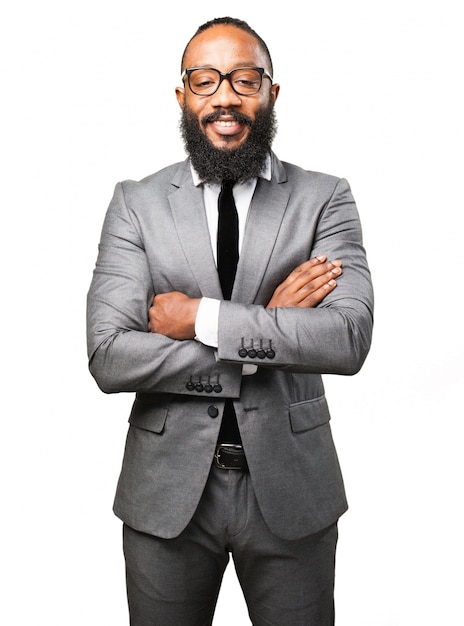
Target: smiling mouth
<point>227,118</point>
<point>226,123</point>
<point>228,126</point>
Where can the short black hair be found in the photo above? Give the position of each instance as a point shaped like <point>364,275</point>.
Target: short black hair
<point>232,21</point>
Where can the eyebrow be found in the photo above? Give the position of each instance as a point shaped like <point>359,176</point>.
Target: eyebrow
<point>237,65</point>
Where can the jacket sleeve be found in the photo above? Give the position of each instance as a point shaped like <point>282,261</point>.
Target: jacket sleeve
<point>123,355</point>
<point>334,337</point>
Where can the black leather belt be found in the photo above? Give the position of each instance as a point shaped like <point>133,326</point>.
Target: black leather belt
<point>230,456</point>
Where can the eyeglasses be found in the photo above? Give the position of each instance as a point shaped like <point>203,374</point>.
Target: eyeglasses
<point>245,81</point>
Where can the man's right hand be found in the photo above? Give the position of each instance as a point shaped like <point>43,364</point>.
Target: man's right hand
<point>308,284</point>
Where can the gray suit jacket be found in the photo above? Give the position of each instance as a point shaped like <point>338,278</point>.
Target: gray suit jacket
<point>155,239</point>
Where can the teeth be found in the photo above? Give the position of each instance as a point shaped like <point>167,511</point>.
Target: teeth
<point>223,123</point>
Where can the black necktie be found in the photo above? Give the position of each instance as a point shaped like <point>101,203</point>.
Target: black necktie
<point>227,239</point>
<point>227,259</point>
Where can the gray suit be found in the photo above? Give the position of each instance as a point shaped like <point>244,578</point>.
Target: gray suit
<point>155,239</point>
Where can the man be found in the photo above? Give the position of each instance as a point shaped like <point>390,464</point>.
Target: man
<point>229,449</point>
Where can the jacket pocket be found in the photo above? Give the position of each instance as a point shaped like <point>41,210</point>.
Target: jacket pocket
<point>149,414</point>
<point>309,414</point>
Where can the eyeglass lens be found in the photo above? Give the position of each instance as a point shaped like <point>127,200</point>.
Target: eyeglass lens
<point>245,82</point>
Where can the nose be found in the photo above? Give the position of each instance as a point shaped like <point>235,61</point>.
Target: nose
<point>225,96</point>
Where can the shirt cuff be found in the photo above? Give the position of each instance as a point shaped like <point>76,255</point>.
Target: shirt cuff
<point>206,328</point>
<point>207,322</point>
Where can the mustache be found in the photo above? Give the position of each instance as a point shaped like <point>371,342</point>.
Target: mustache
<point>238,117</point>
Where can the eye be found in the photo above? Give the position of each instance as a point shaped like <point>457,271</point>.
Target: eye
<point>247,80</point>
<point>203,79</point>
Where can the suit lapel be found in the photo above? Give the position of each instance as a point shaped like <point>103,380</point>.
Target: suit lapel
<point>192,229</point>
<point>262,228</point>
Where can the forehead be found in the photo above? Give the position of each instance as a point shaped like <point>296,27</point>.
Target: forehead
<point>225,47</point>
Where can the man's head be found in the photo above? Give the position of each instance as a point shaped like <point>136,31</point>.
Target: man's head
<point>228,123</point>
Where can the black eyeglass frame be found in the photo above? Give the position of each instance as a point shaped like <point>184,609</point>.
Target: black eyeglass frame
<point>262,73</point>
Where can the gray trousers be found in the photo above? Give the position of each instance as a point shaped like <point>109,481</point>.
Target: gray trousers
<point>175,582</point>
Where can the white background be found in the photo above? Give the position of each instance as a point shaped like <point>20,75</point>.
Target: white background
<point>371,91</point>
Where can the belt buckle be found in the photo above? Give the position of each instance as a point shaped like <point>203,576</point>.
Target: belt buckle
<point>240,460</point>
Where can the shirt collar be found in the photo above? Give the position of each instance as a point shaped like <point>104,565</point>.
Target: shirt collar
<point>266,172</point>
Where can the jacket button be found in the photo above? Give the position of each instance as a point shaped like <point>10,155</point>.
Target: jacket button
<point>213,411</point>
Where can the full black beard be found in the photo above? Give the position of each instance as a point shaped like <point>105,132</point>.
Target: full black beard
<point>214,165</point>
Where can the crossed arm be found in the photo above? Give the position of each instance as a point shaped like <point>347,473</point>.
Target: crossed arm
<point>173,314</point>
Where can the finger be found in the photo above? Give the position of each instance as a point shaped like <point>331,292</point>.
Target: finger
<point>310,270</point>
<point>151,319</point>
<point>151,324</point>
<point>306,285</point>
<point>311,263</point>
<point>313,299</point>
<point>308,265</point>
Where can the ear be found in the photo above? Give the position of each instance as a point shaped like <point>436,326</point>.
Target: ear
<point>180,95</point>
<point>275,89</point>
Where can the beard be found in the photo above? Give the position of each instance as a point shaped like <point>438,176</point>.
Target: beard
<point>215,165</point>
